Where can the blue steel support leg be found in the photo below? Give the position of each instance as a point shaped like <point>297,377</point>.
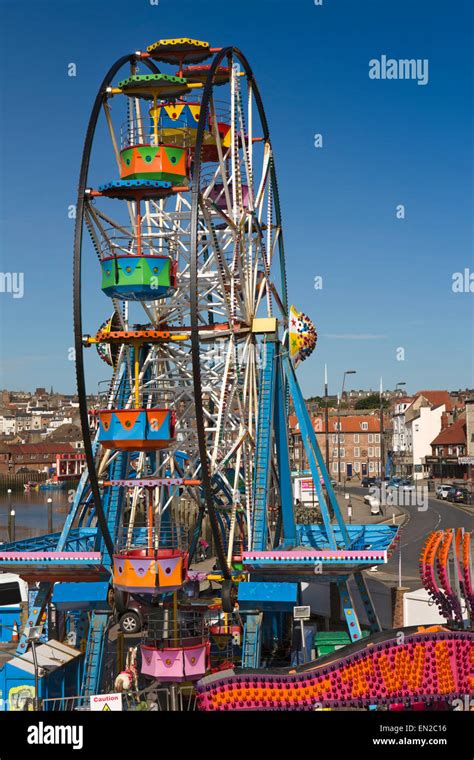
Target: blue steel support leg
<point>361,583</point>
<point>81,623</point>
<point>310,445</point>
<point>283,459</point>
<point>315,459</point>
<point>252,640</point>
<point>35,614</point>
<point>349,610</point>
<point>112,502</point>
<point>77,501</point>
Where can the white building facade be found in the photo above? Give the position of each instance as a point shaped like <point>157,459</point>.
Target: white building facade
<point>416,423</point>
<point>399,434</point>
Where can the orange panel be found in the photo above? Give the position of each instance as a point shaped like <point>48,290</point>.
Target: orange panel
<point>173,578</point>
<point>127,418</point>
<point>105,419</point>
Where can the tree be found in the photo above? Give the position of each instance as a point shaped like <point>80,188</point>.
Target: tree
<point>371,402</point>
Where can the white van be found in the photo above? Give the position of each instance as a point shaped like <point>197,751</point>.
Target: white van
<point>13,590</point>
<point>442,490</point>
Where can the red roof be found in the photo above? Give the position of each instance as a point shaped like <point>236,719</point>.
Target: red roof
<point>16,449</point>
<point>350,423</point>
<point>353,423</point>
<point>453,434</point>
<point>436,398</point>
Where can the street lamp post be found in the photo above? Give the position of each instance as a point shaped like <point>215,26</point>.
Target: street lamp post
<point>382,447</point>
<point>50,515</point>
<point>33,635</point>
<point>347,372</point>
<point>11,526</point>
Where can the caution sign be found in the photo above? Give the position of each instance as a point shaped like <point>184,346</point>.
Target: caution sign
<point>106,702</point>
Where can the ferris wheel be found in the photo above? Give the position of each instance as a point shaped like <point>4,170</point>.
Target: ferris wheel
<point>190,247</point>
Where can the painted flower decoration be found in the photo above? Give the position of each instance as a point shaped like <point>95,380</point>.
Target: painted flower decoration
<point>303,336</point>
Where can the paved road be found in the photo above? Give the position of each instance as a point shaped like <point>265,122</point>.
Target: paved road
<point>420,520</point>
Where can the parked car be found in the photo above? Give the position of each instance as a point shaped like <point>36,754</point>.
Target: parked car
<point>406,485</point>
<point>459,495</point>
<point>442,490</point>
<point>367,482</point>
<point>132,613</point>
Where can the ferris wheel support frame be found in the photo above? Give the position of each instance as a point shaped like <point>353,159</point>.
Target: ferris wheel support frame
<point>227,52</point>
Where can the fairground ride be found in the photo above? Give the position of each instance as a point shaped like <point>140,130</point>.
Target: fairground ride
<point>178,202</point>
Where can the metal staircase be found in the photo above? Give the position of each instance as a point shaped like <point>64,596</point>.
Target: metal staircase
<point>252,641</point>
<point>91,676</point>
<point>113,498</point>
<point>96,641</point>
<point>263,450</point>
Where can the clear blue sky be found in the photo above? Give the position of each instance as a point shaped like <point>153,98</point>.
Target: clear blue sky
<point>387,282</point>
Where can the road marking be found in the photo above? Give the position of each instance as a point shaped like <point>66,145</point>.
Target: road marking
<point>423,536</point>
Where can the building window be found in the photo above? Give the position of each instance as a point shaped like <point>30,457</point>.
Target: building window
<point>356,437</point>
<point>334,452</point>
<point>334,466</point>
<point>371,437</point>
<point>343,453</point>
<point>334,438</point>
<point>338,426</point>
<point>356,451</point>
<point>450,450</point>
<point>371,451</point>
<point>364,425</point>
<point>356,466</point>
<point>377,437</point>
<point>371,466</point>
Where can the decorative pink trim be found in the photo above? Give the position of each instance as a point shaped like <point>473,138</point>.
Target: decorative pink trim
<point>303,554</point>
<point>45,556</point>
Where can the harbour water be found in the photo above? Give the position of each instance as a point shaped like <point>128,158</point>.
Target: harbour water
<point>31,512</point>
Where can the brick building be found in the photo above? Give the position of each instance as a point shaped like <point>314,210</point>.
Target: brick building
<point>31,456</point>
<point>359,443</point>
<point>447,448</point>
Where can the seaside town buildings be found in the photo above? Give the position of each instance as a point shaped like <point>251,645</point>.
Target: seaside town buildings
<point>354,446</point>
<point>37,431</point>
<point>427,434</point>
